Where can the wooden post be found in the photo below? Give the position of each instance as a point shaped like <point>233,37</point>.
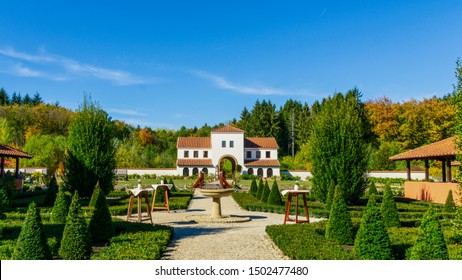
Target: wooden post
<point>17,169</point>
<point>408,165</point>
<point>427,177</point>
<point>443,164</point>
<point>448,164</point>
<point>2,166</point>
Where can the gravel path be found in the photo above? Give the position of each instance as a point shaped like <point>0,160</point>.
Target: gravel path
<point>215,241</point>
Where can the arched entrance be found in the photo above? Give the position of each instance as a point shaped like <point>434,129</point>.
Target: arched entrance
<point>205,170</point>
<point>186,172</point>
<point>260,172</point>
<point>228,165</point>
<point>250,171</point>
<point>269,172</point>
<point>195,171</point>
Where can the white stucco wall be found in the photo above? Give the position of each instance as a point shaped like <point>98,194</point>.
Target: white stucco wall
<point>218,151</point>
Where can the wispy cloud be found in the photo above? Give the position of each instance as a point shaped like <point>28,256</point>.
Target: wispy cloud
<point>72,68</point>
<point>221,82</point>
<point>127,112</point>
<point>23,71</point>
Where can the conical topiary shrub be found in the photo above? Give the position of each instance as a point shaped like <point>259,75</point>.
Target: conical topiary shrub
<point>372,189</point>
<point>388,209</point>
<point>265,193</point>
<point>4,203</point>
<point>94,195</point>
<point>60,208</point>
<point>339,227</point>
<point>173,189</point>
<point>52,192</point>
<point>261,186</point>
<point>372,241</point>
<point>76,242</point>
<point>274,197</point>
<point>430,243</point>
<point>449,205</point>
<point>32,243</point>
<point>100,227</point>
<point>253,187</point>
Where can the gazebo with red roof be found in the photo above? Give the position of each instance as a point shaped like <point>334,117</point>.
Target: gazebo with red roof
<point>9,152</point>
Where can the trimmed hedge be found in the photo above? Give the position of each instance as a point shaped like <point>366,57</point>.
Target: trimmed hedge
<point>274,197</point>
<point>307,242</point>
<point>261,186</point>
<point>265,193</point>
<point>60,208</point>
<point>52,192</point>
<point>372,241</point>
<point>339,227</point>
<point>449,205</point>
<point>389,210</point>
<point>100,226</point>
<point>32,243</point>
<point>253,187</point>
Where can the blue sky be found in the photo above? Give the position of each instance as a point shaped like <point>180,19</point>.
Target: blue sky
<point>165,64</point>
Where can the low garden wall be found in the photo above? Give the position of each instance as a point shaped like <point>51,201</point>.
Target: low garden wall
<point>415,175</point>
<point>429,191</point>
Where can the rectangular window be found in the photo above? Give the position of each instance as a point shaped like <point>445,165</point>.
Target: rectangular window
<point>196,154</point>
<point>249,154</point>
<point>186,154</point>
<point>206,154</point>
<point>223,144</point>
<point>231,144</point>
<point>258,154</point>
<point>268,154</point>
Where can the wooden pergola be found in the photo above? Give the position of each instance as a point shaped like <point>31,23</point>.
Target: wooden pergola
<point>444,151</point>
<point>9,152</point>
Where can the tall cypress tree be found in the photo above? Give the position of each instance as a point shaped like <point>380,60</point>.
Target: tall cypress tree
<point>372,241</point>
<point>76,241</point>
<point>90,153</point>
<point>339,147</point>
<point>32,243</point>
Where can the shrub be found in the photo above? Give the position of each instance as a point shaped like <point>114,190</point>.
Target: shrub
<point>32,243</point>
<point>372,189</point>
<point>274,197</point>
<point>94,196</point>
<point>372,241</point>
<point>60,208</point>
<point>76,242</point>
<point>173,185</point>
<point>430,244</point>
<point>261,186</point>
<point>339,227</point>
<point>388,209</point>
<point>449,205</point>
<point>265,193</point>
<point>4,203</point>
<point>52,192</point>
<point>100,227</point>
<point>456,227</point>
<point>253,187</point>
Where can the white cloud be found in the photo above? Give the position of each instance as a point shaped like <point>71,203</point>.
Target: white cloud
<point>127,112</point>
<point>72,66</point>
<point>225,84</point>
<point>20,70</point>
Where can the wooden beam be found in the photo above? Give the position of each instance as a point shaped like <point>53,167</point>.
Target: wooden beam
<point>448,164</point>
<point>408,165</point>
<point>427,167</point>
<point>443,164</point>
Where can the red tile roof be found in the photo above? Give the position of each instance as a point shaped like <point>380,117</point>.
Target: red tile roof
<point>260,142</point>
<point>194,142</point>
<point>446,148</point>
<point>262,162</point>
<point>194,162</point>
<point>227,129</point>
<point>8,151</point>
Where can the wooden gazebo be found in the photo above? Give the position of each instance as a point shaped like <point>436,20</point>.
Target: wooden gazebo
<point>9,152</point>
<point>444,151</point>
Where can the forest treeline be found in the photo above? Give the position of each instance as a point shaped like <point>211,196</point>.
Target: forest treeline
<point>41,129</point>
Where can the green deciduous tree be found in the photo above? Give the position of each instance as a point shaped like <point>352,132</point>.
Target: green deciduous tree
<point>32,243</point>
<point>372,241</point>
<point>388,209</point>
<point>339,147</point>
<point>430,243</point>
<point>76,241</point>
<point>339,227</point>
<point>90,153</point>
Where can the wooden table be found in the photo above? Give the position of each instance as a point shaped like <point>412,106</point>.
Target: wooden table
<point>139,194</point>
<point>296,194</point>
<point>165,188</point>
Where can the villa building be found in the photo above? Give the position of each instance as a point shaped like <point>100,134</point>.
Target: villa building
<point>248,155</point>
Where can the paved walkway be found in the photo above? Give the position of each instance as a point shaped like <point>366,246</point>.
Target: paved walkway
<point>214,241</point>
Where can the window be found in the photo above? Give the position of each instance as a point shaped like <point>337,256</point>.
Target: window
<point>260,172</point>
<point>231,144</point>
<point>249,154</point>
<point>205,170</point>
<point>196,154</point>
<point>223,144</point>
<point>268,154</point>
<point>206,154</point>
<point>250,171</point>
<point>258,154</point>
<point>195,171</point>
<point>269,172</point>
<point>186,154</point>
<point>185,172</point>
